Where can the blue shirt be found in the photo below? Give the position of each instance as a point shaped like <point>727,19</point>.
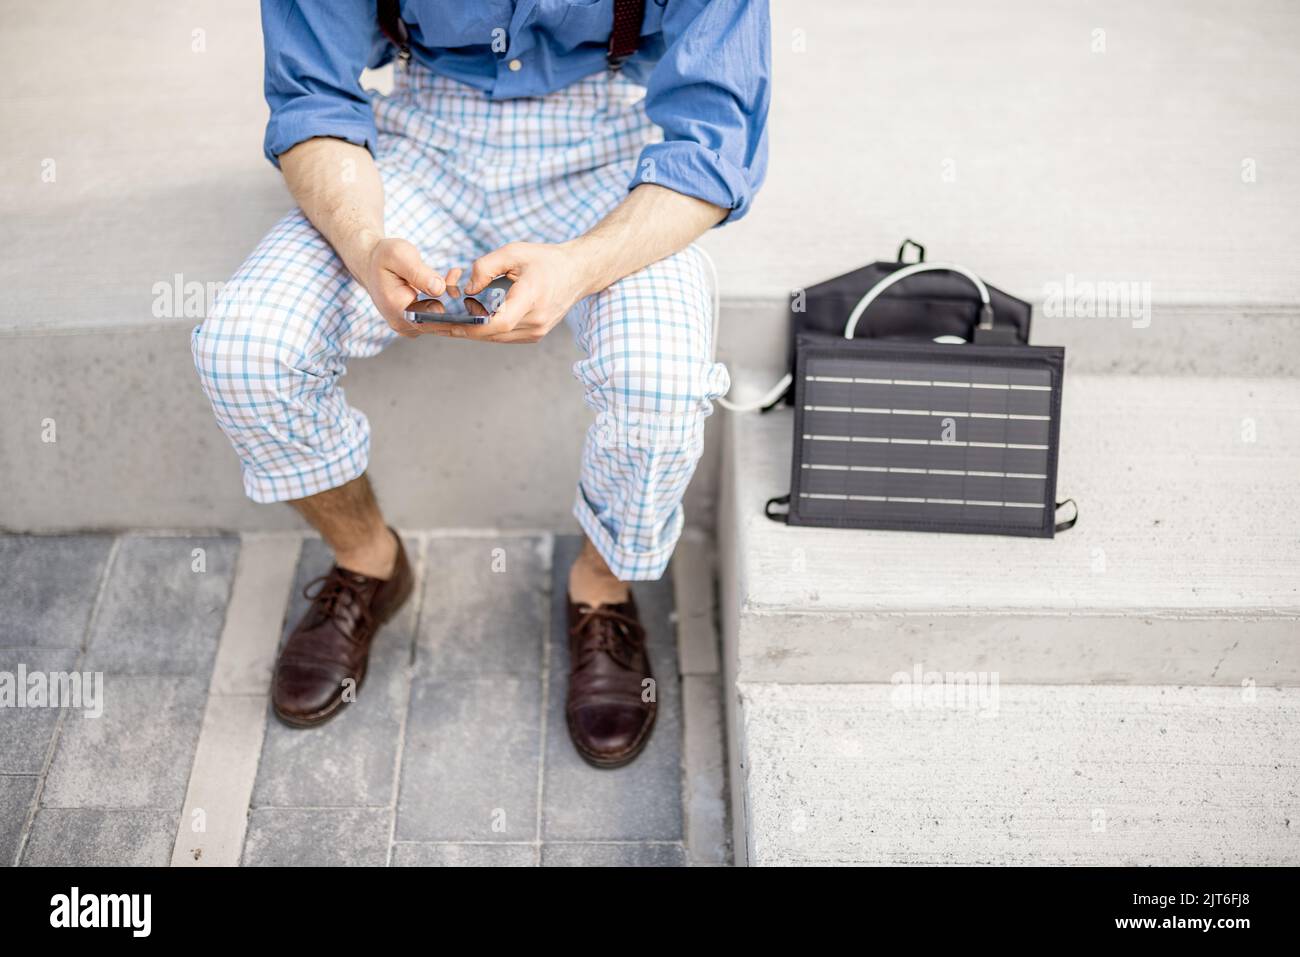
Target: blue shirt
<point>705,65</point>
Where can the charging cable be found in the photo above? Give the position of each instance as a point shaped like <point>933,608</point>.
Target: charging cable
<point>773,393</point>
<point>851,325</point>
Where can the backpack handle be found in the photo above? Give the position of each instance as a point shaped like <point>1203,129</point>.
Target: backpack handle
<point>920,250</point>
<point>986,307</point>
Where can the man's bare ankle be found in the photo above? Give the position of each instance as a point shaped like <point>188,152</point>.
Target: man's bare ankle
<point>374,559</point>
<point>592,583</point>
<point>348,517</point>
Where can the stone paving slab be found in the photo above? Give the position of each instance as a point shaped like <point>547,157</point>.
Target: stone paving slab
<point>455,754</point>
<point>643,800</point>
<point>464,855</point>
<point>16,795</point>
<point>137,755</point>
<point>473,739</point>
<point>50,588</point>
<point>351,760</point>
<point>214,817</point>
<point>163,606</point>
<point>485,606</point>
<point>317,837</point>
<point>25,733</point>
<point>469,768</point>
<point>100,837</point>
<point>613,855</point>
<point>693,590</point>
<point>255,616</point>
<point>707,833</point>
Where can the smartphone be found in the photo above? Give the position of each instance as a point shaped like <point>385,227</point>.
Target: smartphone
<point>454,306</point>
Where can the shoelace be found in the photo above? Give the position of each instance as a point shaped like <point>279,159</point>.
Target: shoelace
<point>616,636</point>
<point>328,599</point>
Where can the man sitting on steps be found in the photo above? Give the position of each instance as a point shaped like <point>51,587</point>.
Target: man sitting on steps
<point>577,148</point>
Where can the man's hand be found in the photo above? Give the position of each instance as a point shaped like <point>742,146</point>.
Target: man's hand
<point>652,222</point>
<point>339,189</point>
<point>548,281</point>
<point>394,274</point>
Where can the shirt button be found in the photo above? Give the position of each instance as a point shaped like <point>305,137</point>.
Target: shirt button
<point>515,66</point>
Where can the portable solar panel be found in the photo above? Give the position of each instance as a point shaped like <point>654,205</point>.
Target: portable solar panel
<point>922,436</point>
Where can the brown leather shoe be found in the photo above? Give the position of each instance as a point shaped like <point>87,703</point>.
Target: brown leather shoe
<point>332,641</point>
<point>609,720</point>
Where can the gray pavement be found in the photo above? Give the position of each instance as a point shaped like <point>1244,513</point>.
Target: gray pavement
<point>455,752</point>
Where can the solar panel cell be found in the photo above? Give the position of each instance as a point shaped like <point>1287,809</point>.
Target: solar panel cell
<point>915,435</point>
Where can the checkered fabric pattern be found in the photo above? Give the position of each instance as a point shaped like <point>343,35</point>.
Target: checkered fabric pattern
<point>463,175</point>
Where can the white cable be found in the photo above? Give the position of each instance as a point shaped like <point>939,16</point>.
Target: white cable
<point>769,397</point>
<point>851,326</point>
<point>773,393</point>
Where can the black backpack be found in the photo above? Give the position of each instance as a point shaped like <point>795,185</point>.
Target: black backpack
<point>923,306</point>
<point>919,405</point>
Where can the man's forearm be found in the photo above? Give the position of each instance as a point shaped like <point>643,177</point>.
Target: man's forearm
<point>650,223</point>
<point>338,188</point>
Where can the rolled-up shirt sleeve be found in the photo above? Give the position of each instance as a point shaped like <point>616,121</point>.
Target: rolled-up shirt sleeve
<point>315,52</point>
<point>710,94</point>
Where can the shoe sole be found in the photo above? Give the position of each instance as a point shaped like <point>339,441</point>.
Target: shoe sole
<point>317,718</point>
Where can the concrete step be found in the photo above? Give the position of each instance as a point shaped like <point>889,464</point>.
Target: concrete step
<point>1172,608</point>
<point>137,447</point>
<point>1184,567</point>
<point>841,774</point>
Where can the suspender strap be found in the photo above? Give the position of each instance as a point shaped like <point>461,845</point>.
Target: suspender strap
<point>624,38</point>
<point>626,35</point>
<point>394,28</point>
